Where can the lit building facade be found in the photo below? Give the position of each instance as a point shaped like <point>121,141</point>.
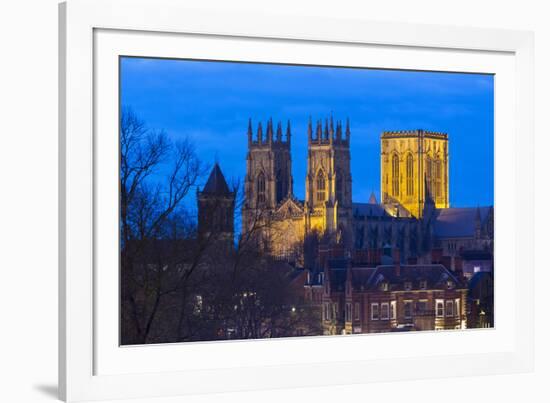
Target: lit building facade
<point>414,165</point>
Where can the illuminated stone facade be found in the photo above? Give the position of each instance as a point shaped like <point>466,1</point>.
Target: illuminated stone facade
<point>269,199</point>
<point>413,164</point>
<point>413,215</point>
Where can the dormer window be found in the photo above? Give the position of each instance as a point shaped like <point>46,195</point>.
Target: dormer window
<point>408,286</point>
<point>450,285</point>
<point>384,286</point>
<point>423,284</point>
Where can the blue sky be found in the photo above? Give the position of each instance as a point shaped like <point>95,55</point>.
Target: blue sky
<point>211,102</point>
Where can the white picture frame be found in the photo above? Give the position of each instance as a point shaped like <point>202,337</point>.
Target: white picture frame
<point>84,47</point>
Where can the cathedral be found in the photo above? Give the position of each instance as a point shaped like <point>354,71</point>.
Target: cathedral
<point>407,262</point>
<point>327,208</point>
<point>413,215</point>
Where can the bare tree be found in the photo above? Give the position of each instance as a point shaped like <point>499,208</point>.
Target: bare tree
<point>156,175</point>
<point>181,284</point>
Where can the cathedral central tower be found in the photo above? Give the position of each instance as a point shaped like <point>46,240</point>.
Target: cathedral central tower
<point>415,168</point>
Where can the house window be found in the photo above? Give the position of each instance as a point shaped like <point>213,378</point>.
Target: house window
<point>356,312</point>
<point>439,308</point>
<point>450,284</point>
<point>348,312</point>
<point>410,175</point>
<point>261,188</point>
<point>335,311</point>
<point>408,285</point>
<point>393,310</point>
<point>384,286</point>
<point>457,307</point>
<point>198,305</point>
<point>395,175</point>
<point>422,307</point>
<point>320,186</point>
<point>423,284</point>
<point>407,309</point>
<point>385,311</point>
<point>374,312</point>
<point>449,308</point>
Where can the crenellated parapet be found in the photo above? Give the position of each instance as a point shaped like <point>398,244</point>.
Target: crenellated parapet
<point>392,134</point>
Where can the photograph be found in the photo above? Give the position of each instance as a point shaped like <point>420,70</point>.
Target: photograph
<point>263,200</point>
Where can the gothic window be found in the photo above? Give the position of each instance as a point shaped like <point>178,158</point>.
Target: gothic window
<point>339,187</point>
<point>429,176</point>
<point>261,188</point>
<point>410,175</point>
<point>280,186</point>
<point>320,186</point>
<point>395,175</point>
<point>437,178</point>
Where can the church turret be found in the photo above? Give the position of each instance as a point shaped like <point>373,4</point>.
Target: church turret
<point>216,204</point>
<point>288,134</point>
<point>339,132</point>
<point>478,223</point>
<point>249,131</point>
<point>269,133</point>
<point>260,133</point>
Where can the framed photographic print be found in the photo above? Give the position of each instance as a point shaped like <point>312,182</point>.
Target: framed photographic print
<point>242,208</point>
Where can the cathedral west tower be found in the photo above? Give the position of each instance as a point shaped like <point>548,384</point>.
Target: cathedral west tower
<point>268,178</point>
<point>328,202</point>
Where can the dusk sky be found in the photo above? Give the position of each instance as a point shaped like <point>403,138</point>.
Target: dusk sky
<point>211,102</point>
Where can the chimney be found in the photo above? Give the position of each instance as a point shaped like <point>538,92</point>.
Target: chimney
<point>458,263</point>
<point>437,255</point>
<point>397,261</point>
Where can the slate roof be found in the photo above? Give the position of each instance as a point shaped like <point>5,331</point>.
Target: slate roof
<point>216,184</point>
<point>476,255</point>
<point>435,275</point>
<point>369,278</point>
<point>337,279</point>
<point>369,210</point>
<point>360,277</point>
<point>458,222</point>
